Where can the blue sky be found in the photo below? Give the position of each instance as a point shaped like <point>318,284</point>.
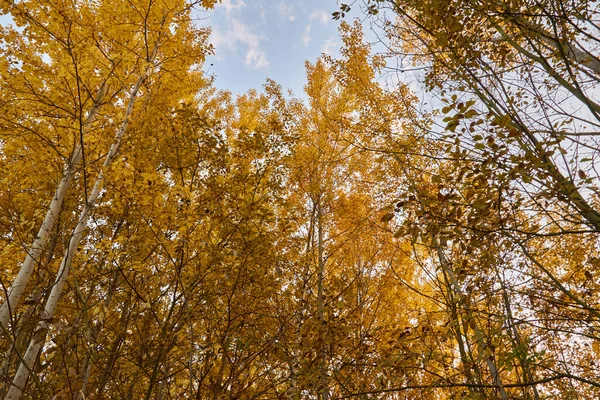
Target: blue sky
<point>259,39</point>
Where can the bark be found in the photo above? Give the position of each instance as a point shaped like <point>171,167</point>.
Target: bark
<point>462,298</point>
<point>22,334</point>
<point>565,188</point>
<point>569,50</point>
<point>296,353</point>
<point>15,293</point>
<point>39,336</point>
<point>466,359</point>
<point>323,386</point>
<point>518,342</point>
<point>463,302</point>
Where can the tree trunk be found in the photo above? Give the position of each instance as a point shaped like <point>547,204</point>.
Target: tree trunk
<point>48,314</point>
<point>15,292</point>
<point>463,300</point>
<point>323,386</point>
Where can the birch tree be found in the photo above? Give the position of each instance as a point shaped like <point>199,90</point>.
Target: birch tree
<point>78,49</point>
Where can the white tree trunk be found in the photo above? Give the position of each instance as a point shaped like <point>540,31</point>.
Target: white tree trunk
<point>462,297</point>
<point>15,292</point>
<point>39,335</point>
<point>323,376</point>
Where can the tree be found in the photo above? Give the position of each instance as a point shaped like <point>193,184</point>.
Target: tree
<point>64,60</point>
<point>516,84</point>
<point>351,245</point>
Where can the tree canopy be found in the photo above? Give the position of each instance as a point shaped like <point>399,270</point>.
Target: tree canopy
<point>161,238</point>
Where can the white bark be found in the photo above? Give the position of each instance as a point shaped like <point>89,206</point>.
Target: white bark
<point>569,50</point>
<point>574,54</point>
<point>39,336</point>
<point>462,297</point>
<point>15,292</point>
<point>323,384</point>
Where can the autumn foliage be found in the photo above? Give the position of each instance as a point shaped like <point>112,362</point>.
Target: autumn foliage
<point>161,239</point>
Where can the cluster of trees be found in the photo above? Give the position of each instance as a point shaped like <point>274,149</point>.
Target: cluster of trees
<point>162,240</point>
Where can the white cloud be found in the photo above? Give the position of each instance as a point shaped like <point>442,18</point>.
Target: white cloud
<point>256,58</point>
<point>286,12</point>
<point>320,16</point>
<point>241,35</point>
<point>305,38</point>
<point>263,11</point>
<point>231,6</point>
<point>329,46</point>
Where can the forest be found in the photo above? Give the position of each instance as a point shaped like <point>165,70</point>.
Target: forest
<point>162,238</point>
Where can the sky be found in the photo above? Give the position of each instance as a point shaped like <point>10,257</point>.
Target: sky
<point>259,39</point>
